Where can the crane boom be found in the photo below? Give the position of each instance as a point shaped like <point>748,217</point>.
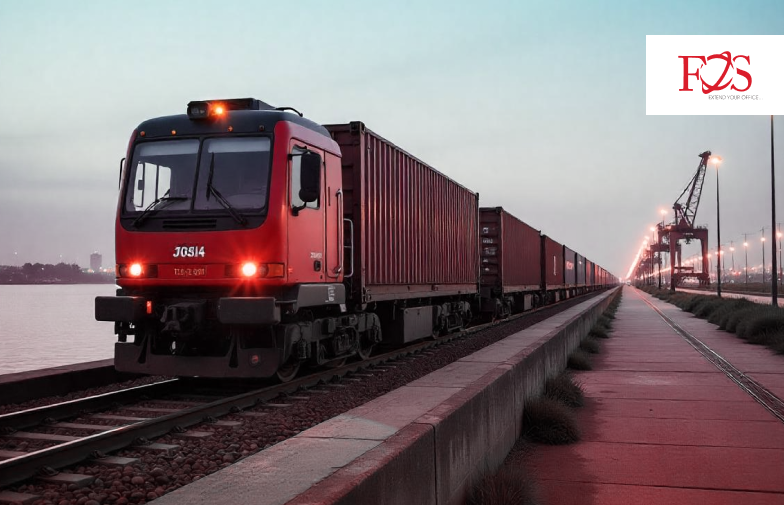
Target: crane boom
<point>686,208</point>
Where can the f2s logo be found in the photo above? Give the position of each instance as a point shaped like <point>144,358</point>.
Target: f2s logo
<point>184,251</point>
<point>729,63</point>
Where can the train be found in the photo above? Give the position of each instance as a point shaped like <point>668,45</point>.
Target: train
<point>251,241</point>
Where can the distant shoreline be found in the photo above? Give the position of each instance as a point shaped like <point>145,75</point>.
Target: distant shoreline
<point>57,282</point>
<point>31,274</point>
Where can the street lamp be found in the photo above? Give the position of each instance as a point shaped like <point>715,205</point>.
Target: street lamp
<point>732,253</point>
<point>663,213</point>
<point>763,255</point>
<point>774,285</point>
<point>746,250</point>
<point>716,160</point>
<point>778,234</point>
<point>653,229</point>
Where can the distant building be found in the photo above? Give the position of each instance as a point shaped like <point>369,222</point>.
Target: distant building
<point>96,261</point>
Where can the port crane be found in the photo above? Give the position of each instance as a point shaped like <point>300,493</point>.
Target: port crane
<point>683,227</point>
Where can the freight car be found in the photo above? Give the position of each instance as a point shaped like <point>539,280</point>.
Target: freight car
<point>251,241</point>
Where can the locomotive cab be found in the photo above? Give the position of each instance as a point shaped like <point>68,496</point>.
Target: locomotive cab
<point>230,244</point>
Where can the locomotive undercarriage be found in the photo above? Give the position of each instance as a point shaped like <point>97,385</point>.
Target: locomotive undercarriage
<point>185,337</point>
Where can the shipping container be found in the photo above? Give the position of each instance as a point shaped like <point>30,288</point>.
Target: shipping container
<point>570,266</point>
<point>414,232</point>
<point>511,253</point>
<point>552,263</point>
<point>581,270</point>
<point>590,278</point>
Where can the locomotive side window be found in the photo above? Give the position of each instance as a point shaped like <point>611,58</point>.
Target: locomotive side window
<point>296,166</point>
<point>162,169</point>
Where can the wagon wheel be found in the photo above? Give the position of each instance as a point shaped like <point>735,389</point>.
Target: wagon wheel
<point>288,371</point>
<point>367,340</point>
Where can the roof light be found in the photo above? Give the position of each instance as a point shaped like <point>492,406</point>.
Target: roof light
<point>204,109</point>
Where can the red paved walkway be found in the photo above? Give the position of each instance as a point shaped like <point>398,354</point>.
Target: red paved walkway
<point>664,426</point>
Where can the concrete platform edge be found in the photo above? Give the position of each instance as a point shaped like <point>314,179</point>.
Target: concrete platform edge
<point>431,458</point>
<point>24,386</point>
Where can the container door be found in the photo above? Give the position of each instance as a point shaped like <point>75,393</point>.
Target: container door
<point>306,224</point>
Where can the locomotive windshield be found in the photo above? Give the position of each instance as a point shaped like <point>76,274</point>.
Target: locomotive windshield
<point>169,175</point>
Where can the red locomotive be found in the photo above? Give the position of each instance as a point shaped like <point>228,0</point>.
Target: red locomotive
<point>250,241</point>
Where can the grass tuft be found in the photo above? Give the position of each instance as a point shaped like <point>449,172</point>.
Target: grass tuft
<point>565,389</point>
<point>590,345</point>
<point>505,487</point>
<point>579,360</point>
<point>549,422</point>
<point>603,322</point>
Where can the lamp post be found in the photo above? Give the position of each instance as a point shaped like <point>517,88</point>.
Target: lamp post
<point>716,160</point>
<point>778,234</point>
<point>653,229</point>
<point>732,253</point>
<point>746,250</point>
<point>710,265</point>
<point>774,284</point>
<point>663,213</point>
<point>763,255</point>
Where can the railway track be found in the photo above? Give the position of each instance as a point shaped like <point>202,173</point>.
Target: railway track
<point>173,401</point>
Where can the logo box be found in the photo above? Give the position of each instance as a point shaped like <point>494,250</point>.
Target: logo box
<point>689,75</point>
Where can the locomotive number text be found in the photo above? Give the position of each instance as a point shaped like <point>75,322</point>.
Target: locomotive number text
<point>185,251</point>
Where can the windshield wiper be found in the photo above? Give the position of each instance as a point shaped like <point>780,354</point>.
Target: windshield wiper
<point>218,196</point>
<point>156,206</point>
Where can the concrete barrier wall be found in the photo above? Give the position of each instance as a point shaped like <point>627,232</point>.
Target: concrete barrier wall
<point>424,443</point>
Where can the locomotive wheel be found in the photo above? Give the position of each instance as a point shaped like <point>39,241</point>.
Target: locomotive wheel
<point>288,371</point>
<point>364,352</point>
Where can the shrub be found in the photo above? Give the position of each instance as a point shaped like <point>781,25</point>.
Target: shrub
<point>505,487</point>
<point>565,389</point>
<point>590,345</point>
<point>597,332</point>
<point>550,422</point>
<point>603,322</point>
<point>707,307</point>
<point>579,360</point>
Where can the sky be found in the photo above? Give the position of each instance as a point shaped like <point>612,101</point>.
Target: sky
<point>538,106</point>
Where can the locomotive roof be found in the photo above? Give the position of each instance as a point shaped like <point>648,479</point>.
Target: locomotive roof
<point>241,121</point>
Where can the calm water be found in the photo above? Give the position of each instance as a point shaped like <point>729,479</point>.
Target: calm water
<point>50,325</point>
